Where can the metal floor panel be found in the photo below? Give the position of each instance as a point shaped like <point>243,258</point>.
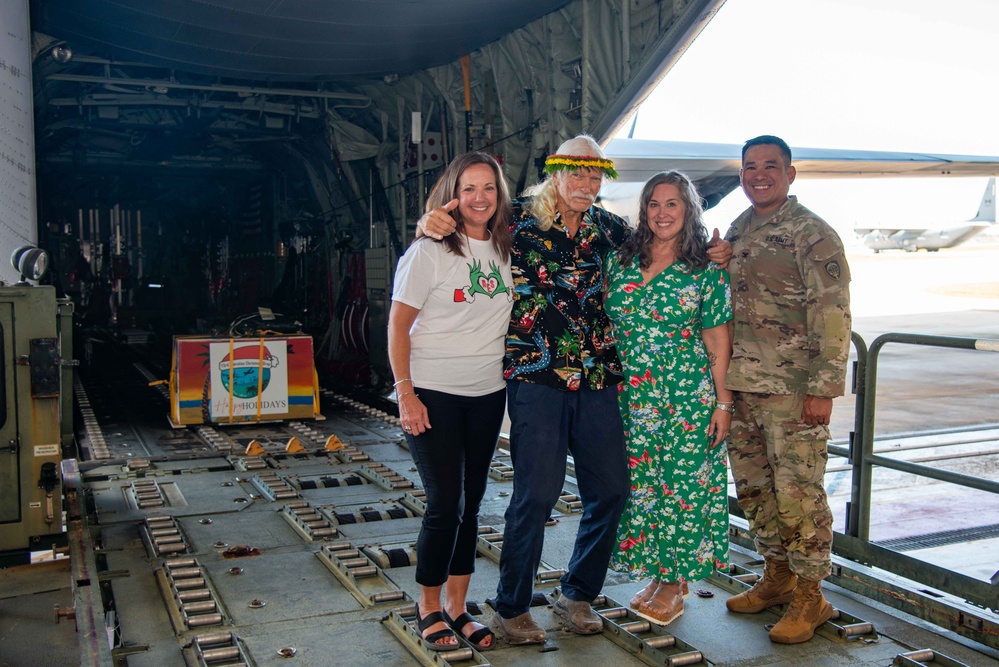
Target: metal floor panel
<point>309,607</point>
<point>942,538</point>
<point>28,633</point>
<point>306,607</point>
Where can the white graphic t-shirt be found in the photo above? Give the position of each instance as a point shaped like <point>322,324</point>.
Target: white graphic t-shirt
<point>459,335</point>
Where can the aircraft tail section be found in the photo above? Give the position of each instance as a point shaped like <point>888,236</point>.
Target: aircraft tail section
<point>987,209</point>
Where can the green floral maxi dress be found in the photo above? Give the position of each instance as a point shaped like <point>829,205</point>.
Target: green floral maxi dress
<point>675,524</point>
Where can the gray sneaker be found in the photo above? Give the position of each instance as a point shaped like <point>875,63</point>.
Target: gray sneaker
<point>518,630</point>
<point>579,616</point>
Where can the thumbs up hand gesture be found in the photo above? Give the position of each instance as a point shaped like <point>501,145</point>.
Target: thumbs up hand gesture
<point>719,250</point>
<point>438,223</point>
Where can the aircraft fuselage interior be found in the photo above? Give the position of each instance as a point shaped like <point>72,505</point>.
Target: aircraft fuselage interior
<point>201,461</point>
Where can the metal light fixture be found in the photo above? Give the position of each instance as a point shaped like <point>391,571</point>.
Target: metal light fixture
<point>62,53</point>
<point>30,262</point>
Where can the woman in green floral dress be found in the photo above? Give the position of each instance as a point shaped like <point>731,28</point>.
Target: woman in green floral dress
<point>670,309</point>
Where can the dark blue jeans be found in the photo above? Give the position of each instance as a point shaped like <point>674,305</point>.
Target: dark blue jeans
<point>548,423</point>
<point>453,461</point>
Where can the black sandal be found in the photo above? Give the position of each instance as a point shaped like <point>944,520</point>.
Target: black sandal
<point>477,638</point>
<point>431,641</point>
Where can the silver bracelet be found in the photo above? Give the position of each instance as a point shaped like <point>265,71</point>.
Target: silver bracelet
<point>396,384</point>
<point>725,408</point>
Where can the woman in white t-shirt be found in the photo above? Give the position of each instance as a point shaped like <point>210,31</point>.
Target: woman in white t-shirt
<point>447,328</point>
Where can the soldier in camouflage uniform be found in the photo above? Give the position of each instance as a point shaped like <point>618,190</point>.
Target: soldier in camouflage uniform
<point>791,342</point>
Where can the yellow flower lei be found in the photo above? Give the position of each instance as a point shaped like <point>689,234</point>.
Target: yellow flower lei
<point>557,162</point>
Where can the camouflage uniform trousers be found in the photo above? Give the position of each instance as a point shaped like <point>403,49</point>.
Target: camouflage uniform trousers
<point>779,466</point>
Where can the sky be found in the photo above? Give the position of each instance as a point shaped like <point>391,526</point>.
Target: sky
<point>906,75</point>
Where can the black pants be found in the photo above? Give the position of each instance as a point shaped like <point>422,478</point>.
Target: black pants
<point>453,460</point>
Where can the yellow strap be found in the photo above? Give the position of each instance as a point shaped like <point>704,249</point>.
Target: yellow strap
<point>260,377</point>
<point>315,392</point>
<point>174,398</point>
<point>232,366</point>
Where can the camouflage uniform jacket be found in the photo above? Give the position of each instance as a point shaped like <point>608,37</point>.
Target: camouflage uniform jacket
<point>791,299</point>
<point>559,334</point>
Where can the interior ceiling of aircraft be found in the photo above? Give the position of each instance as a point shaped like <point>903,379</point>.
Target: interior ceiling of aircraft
<point>143,99</point>
<point>289,41</point>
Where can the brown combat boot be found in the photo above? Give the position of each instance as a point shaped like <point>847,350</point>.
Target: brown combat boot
<point>809,609</point>
<point>775,587</point>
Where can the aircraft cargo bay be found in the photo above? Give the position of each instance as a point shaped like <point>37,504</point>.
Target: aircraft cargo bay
<point>202,196</point>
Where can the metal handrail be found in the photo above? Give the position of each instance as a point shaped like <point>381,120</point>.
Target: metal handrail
<point>857,439</point>
<point>854,543</point>
<point>865,459</point>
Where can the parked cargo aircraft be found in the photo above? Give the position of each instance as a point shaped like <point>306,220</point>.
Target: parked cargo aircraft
<point>933,238</point>
<point>715,168</point>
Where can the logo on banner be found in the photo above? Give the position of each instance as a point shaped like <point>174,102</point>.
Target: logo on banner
<point>244,373</point>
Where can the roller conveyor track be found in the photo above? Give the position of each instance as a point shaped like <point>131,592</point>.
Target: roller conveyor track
<point>216,557</point>
<point>121,417</point>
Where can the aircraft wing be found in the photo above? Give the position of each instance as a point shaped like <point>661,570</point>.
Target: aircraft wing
<point>889,230</point>
<point>715,167</point>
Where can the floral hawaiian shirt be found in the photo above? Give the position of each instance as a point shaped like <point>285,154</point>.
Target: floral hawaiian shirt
<point>559,334</point>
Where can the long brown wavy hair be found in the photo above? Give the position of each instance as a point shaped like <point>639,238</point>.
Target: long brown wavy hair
<point>692,248</point>
<point>446,189</point>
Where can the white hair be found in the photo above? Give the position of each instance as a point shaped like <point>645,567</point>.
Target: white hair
<point>582,145</point>
<point>544,197</point>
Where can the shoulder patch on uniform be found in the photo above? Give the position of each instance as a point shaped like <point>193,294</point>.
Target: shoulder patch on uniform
<point>833,269</point>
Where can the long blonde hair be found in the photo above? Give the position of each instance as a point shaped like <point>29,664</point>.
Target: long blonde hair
<point>543,202</point>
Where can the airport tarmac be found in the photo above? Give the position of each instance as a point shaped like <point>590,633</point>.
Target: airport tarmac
<point>892,283</point>
<point>954,292</point>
